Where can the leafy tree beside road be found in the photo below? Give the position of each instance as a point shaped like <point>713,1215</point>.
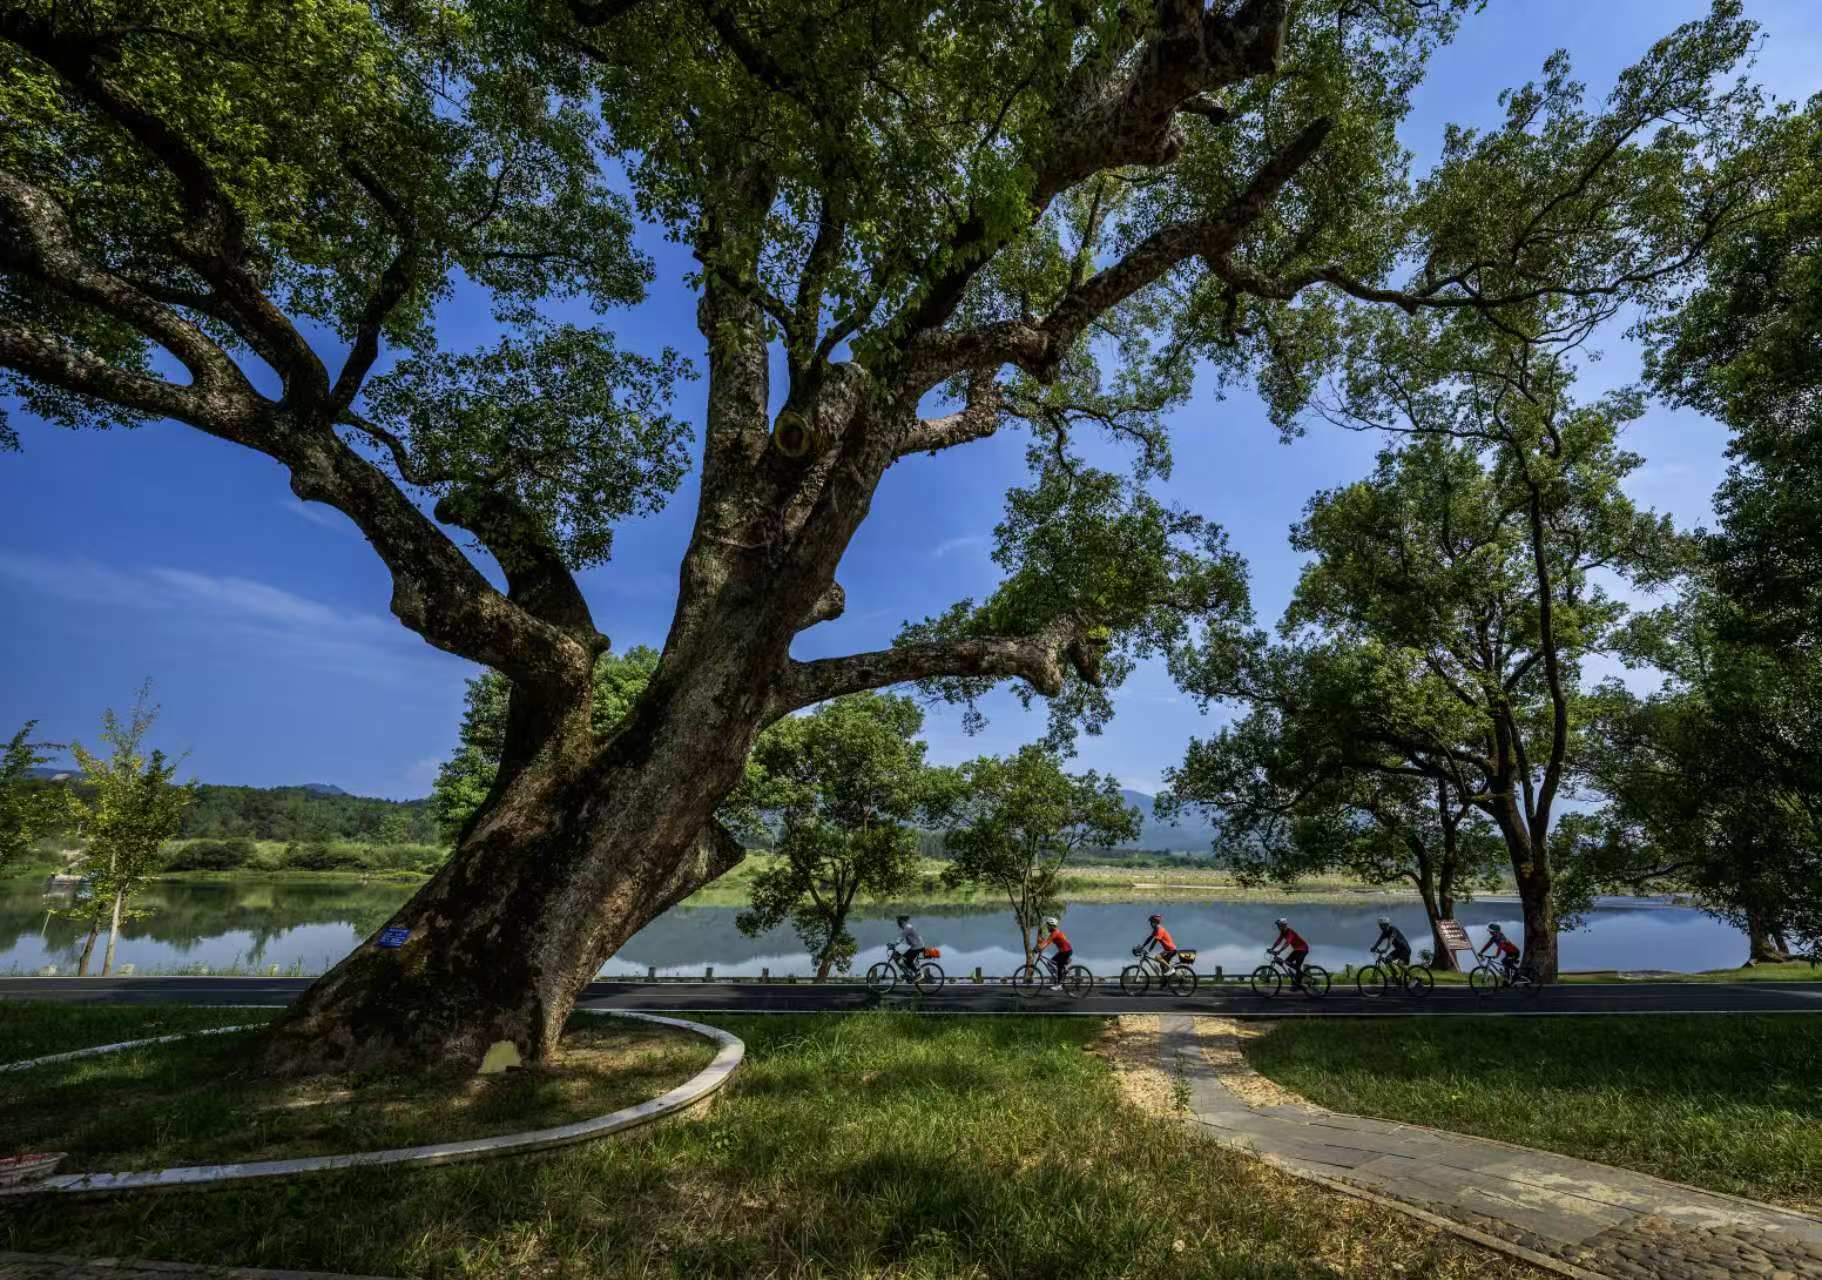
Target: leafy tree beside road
<point>131,808</point>
<point>845,787</point>
<point>27,809</point>
<point>1299,790</point>
<point>1018,822</point>
<point>1439,631</point>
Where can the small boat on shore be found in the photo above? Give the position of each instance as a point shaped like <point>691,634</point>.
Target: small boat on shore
<point>30,1167</point>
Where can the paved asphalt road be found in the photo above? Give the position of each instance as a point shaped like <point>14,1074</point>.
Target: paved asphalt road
<point>1228,999</point>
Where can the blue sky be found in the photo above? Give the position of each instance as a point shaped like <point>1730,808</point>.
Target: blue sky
<point>160,552</point>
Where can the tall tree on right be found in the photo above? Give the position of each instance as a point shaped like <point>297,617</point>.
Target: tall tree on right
<point>1715,776</point>
<point>1296,790</point>
<point>1453,595</point>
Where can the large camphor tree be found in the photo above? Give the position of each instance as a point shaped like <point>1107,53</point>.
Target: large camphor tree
<point>914,225</point>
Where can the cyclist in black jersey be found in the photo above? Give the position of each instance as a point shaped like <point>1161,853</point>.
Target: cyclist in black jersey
<point>1392,943</point>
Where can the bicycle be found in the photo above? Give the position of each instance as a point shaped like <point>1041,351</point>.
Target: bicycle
<point>1177,977</point>
<point>1039,976</point>
<point>1490,977</point>
<point>1386,976</point>
<point>1268,979</point>
<point>922,972</point>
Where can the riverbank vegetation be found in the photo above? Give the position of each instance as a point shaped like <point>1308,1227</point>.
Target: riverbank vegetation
<point>199,1101</point>
<point>850,1145</point>
<point>1732,1103</point>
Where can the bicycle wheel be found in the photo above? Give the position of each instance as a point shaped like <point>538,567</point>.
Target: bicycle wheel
<point>1371,981</point>
<point>1485,979</point>
<point>1418,980</point>
<point>1079,983</point>
<point>1028,981</point>
<point>1135,980</point>
<point>1181,982</point>
<point>882,977</point>
<point>1316,981</point>
<point>1265,981</point>
<point>930,978</point>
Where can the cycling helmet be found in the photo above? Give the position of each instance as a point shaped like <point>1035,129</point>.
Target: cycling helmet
<point>1384,921</point>
<point>1281,922</point>
<point>904,920</point>
<point>1157,919</point>
<point>1050,922</point>
<point>1494,929</point>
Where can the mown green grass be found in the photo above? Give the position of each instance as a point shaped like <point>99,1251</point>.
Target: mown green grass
<point>203,1101</point>
<point>1730,1103</point>
<point>34,1028</point>
<point>862,1145</point>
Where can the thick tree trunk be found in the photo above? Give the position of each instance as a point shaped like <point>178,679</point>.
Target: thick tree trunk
<point>1539,911</point>
<point>569,859</point>
<point>1762,947</point>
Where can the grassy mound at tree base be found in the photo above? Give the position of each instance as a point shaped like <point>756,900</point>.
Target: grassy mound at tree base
<point>1730,1103</point>
<point>865,1145</point>
<point>200,1101</point>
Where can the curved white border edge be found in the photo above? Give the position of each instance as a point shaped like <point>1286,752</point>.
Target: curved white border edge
<point>732,1050</point>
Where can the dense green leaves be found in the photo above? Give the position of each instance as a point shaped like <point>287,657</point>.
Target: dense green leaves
<point>27,810</point>
<point>846,786</point>
<point>1143,579</point>
<point>1019,819</point>
<point>572,428</point>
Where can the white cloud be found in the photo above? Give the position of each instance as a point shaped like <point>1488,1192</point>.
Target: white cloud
<point>949,545</point>
<point>285,625</point>
<point>316,513</point>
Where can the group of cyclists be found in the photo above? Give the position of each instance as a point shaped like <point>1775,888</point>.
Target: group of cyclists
<point>1289,946</point>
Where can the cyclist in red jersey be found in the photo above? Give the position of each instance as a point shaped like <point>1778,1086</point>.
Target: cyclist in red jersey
<point>1296,950</point>
<point>1508,950</point>
<point>1053,936</point>
<point>1160,937</point>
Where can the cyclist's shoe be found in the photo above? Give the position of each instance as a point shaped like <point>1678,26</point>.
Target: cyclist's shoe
<point>1056,986</point>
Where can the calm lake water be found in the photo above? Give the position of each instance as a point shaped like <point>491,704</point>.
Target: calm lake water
<point>310,926</point>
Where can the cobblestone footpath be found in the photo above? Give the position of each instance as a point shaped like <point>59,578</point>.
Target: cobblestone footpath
<point>1588,1219</point>
<point>47,1266</point>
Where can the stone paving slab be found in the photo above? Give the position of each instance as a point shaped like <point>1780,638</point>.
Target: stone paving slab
<point>50,1266</point>
<point>1583,1218</point>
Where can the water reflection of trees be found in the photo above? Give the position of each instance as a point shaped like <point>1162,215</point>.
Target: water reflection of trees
<point>181,916</point>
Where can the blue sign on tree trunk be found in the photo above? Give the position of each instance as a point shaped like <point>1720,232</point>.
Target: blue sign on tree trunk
<point>394,936</point>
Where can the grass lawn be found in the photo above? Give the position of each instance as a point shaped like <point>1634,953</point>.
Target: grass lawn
<point>1730,1103</point>
<point>200,1101</point>
<point>34,1028</point>
<point>862,1145</point>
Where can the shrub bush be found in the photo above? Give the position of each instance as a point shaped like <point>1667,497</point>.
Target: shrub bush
<point>318,855</point>
<point>210,855</point>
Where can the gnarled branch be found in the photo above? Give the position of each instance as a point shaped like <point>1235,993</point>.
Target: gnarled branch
<point>1043,661</point>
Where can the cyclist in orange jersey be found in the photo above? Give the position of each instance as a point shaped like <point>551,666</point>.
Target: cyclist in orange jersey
<point>1160,938</point>
<point>1053,936</point>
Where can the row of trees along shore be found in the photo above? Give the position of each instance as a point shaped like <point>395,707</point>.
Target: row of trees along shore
<point>1049,218</point>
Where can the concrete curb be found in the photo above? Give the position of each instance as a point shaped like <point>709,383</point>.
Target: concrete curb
<point>97,1050</point>
<point>690,1092</point>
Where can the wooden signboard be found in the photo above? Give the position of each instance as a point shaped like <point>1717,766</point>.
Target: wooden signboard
<point>1454,937</point>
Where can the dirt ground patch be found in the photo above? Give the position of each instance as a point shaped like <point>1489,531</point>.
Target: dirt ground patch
<point>1224,1048</point>
<point>1130,1047</point>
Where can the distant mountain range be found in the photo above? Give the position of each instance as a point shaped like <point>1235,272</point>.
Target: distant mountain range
<point>1190,833</point>
<point>54,773</point>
